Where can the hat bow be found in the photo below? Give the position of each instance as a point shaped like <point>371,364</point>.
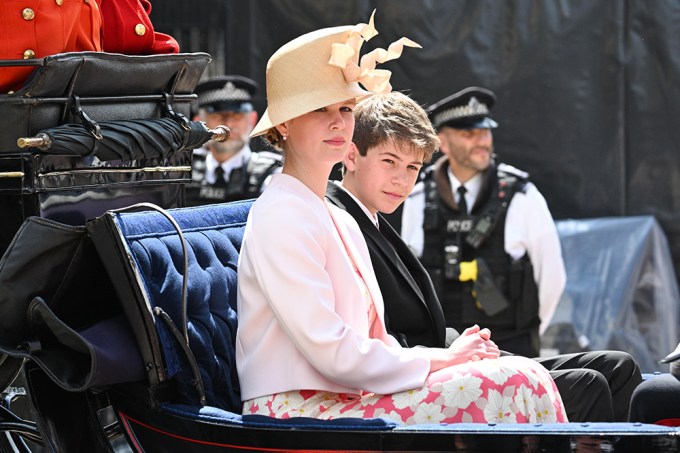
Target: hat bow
<point>374,80</point>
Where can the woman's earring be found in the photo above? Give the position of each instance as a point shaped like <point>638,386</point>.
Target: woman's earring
<point>284,137</point>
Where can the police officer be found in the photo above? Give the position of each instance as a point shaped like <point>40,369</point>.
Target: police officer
<point>483,231</point>
<point>231,170</point>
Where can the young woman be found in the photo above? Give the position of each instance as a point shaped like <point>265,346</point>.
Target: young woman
<point>312,340</point>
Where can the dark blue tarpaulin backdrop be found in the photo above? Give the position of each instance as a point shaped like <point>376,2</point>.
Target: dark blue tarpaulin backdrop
<point>587,90</point>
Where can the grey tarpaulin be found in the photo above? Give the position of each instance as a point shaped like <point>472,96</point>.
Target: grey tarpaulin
<point>621,290</point>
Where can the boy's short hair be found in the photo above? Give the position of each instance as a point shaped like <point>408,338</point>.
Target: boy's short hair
<point>394,117</point>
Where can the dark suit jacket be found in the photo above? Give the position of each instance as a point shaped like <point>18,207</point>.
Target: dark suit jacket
<point>413,314</point>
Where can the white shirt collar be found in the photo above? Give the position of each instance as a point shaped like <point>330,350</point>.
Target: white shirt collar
<point>473,187</point>
<point>374,218</point>
<point>238,160</point>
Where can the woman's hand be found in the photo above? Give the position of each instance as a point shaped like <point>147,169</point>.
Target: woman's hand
<point>473,344</point>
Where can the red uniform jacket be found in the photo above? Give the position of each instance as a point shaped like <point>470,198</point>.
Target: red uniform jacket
<point>37,28</point>
<point>128,29</point>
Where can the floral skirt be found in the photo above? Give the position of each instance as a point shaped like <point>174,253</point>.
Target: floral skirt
<point>506,390</point>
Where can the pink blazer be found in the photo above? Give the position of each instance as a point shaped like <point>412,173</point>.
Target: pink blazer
<point>303,323</point>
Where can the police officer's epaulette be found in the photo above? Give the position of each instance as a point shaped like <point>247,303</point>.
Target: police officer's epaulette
<point>510,181</point>
<point>426,173</point>
<point>200,152</point>
<point>272,156</point>
<point>425,177</point>
<point>264,162</point>
<point>260,166</point>
<point>512,177</point>
<point>198,166</point>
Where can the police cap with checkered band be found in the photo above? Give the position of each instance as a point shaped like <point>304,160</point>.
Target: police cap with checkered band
<point>466,109</point>
<point>226,93</point>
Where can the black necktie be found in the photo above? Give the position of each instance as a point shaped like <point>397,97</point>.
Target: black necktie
<point>220,181</point>
<point>462,204</point>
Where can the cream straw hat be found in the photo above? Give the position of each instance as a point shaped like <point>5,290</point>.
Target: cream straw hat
<point>322,68</point>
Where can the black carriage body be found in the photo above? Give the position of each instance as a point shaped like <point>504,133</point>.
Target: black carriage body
<point>77,88</point>
<point>84,88</point>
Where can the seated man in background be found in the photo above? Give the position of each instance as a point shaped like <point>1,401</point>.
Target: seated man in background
<point>229,171</point>
<point>392,140</point>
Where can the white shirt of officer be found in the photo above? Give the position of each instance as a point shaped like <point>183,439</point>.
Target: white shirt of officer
<point>529,228</point>
<point>238,160</point>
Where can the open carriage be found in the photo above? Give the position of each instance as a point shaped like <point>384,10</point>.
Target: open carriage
<point>114,299</point>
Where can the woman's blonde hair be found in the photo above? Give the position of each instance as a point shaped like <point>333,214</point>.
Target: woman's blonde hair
<point>274,138</point>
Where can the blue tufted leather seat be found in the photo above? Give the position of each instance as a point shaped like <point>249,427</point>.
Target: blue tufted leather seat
<point>142,252</point>
<point>155,271</point>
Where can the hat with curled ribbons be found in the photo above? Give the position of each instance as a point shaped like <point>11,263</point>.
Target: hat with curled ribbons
<point>322,68</point>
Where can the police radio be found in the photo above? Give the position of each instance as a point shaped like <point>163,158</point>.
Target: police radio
<point>482,229</point>
<point>510,181</point>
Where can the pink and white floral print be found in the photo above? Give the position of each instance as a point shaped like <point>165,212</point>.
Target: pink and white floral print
<point>505,390</point>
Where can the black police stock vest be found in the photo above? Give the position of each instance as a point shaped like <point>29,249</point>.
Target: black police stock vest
<point>448,232</point>
<point>244,182</point>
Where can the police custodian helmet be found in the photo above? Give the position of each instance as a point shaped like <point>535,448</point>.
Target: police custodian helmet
<point>467,109</point>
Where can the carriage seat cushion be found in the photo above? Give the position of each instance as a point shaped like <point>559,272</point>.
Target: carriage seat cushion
<point>213,237</point>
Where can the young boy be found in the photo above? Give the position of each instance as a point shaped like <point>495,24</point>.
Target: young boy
<point>393,138</point>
